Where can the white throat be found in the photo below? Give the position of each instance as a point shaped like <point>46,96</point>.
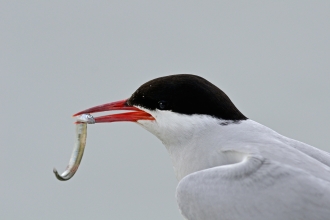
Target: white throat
<point>194,142</point>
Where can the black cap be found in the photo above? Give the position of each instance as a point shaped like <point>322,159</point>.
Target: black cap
<point>185,94</point>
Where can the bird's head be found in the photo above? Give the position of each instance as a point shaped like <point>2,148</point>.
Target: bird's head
<point>172,107</point>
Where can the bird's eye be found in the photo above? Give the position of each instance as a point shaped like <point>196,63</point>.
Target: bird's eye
<point>162,105</point>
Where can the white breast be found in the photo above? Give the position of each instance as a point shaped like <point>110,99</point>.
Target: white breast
<point>242,170</point>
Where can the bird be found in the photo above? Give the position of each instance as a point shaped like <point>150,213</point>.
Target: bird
<point>228,166</point>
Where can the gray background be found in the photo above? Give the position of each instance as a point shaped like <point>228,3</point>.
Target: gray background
<point>60,57</point>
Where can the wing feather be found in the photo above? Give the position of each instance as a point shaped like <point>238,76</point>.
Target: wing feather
<point>253,189</point>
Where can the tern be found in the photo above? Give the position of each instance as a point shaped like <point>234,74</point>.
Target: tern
<point>229,167</point>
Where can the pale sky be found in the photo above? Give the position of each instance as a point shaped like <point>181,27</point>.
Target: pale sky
<point>59,57</point>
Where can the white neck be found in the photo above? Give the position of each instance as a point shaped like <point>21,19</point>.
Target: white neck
<point>197,142</point>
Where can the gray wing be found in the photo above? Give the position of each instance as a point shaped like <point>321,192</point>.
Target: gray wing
<point>317,154</point>
<point>254,189</point>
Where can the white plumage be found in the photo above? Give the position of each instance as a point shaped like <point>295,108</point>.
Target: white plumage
<point>242,170</point>
<point>229,167</point>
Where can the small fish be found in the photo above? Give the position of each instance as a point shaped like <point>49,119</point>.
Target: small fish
<point>79,147</point>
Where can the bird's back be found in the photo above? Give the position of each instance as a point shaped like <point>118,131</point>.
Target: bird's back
<point>254,189</point>
<point>278,178</point>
